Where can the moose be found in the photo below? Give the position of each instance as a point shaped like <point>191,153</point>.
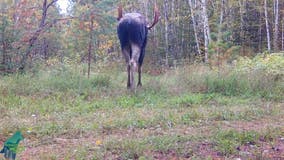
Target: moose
<point>132,31</point>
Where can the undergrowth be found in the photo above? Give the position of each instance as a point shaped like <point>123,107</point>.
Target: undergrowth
<point>262,77</point>
<point>60,101</point>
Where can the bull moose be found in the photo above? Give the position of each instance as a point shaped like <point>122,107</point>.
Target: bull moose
<point>132,31</point>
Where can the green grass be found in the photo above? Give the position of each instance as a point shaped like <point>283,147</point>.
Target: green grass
<point>237,84</point>
<point>45,83</point>
<point>228,141</point>
<point>173,113</point>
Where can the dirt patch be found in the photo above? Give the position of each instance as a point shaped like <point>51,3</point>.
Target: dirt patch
<point>260,150</point>
<point>67,146</point>
<point>62,148</point>
<point>273,150</point>
<point>257,125</point>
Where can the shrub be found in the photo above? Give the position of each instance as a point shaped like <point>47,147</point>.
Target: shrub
<point>229,85</point>
<point>261,76</point>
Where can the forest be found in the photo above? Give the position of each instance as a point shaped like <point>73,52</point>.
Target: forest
<point>212,80</point>
<point>215,31</point>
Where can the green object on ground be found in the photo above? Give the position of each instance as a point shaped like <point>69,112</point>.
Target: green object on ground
<point>10,146</point>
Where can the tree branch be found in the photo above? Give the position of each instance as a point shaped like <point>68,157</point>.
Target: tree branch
<point>51,3</point>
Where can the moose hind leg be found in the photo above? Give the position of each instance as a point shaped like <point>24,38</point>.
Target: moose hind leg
<point>128,77</point>
<point>131,76</point>
<point>134,61</point>
<point>139,84</point>
<point>126,53</point>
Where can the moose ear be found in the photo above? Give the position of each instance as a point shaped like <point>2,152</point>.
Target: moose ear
<point>119,12</point>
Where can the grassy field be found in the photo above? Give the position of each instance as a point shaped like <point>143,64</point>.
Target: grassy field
<point>190,112</point>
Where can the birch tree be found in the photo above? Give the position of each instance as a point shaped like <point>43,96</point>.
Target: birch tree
<point>166,16</point>
<point>282,36</point>
<point>267,26</point>
<point>241,4</point>
<point>206,30</point>
<point>220,25</point>
<point>260,30</point>
<point>276,25</point>
<point>194,26</point>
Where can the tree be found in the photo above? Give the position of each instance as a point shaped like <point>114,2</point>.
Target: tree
<point>206,30</point>
<point>91,33</point>
<point>242,34</point>
<point>267,26</point>
<point>276,25</point>
<point>282,35</point>
<point>194,26</point>
<point>32,32</point>
<point>41,27</point>
<point>219,37</point>
<point>90,42</point>
<point>166,15</point>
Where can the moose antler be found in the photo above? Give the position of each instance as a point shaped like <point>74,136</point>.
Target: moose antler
<point>119,13</point>
<point>156,17</point>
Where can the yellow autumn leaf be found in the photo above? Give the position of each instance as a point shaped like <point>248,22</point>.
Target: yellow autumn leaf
<point>98,142</point>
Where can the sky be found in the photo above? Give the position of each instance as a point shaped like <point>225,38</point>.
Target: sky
<point>63,5</point>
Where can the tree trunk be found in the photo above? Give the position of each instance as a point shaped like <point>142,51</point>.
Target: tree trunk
<point>276,25</point>
<point>194,26</point>
<point>90,45</point>
<point>182,41</point>
<point>206,30</point>
<point>173,32</point>
<point>241,4</point>
<point>282,35</point>
<point>220,30</point>
<point>166,30</point>
<point>3,63</point>
<point>260,31</point>
<point>45,47</point>
<point>146,5</point>
<point>35,36</point>
<point>267,26</point>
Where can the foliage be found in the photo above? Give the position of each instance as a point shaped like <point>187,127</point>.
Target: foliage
<point>271,65</point>
<point>28,35</point>
<point>77,37</point>
<point>259,76</point>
